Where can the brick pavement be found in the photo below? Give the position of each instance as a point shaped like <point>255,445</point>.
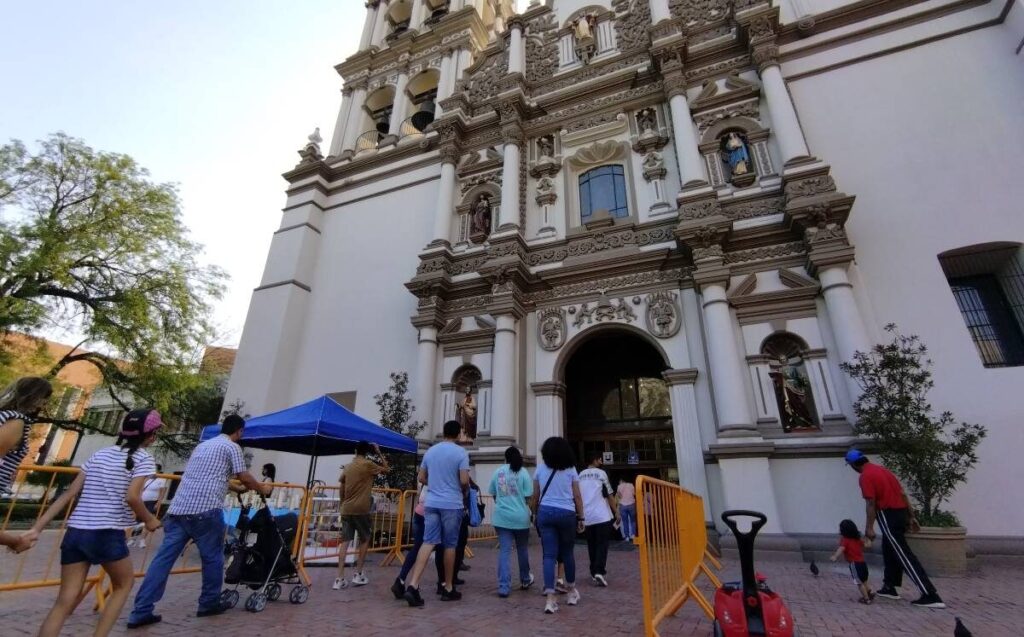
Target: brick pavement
<point>822,606</point>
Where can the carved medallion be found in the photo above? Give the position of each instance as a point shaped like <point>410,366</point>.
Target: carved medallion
<point>605,310</point>
<point>551,328</point>
<point>663,318</point>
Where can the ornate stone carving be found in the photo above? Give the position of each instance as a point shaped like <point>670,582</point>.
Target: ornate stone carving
<point>485,81</point>
<point>583,108</point>
<point>542,48</point>
<point>706,243</point>
<point>699,12</point>
<point>654,166</point>
<point>512,134</point>
<point>820,226</point>
<point>761,29</point>
<point>632,19</point>
<point>810,186</point>
<point>551,328</point>
<point>675,84</point>
<point>708,119</point>
<point>753,209</point>
<point>590,72</point>
<point>604,310</point>
<point>699,209</point>
<point>767,252</point>
<point>662,316</point>
<point>591,122</point>
<point>765,55</point>
<point>600,241</point>
<point>717,68</point>
<point>546,191</point>
<point>311,152</point>
<point>674,276</point>
<point>489,177</point>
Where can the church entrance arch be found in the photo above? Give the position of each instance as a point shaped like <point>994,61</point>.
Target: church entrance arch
<point>617,403</point>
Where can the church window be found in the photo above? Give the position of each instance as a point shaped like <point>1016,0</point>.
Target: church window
<point>603,188</point>
<point>792,384</point>
<point>988,285</point>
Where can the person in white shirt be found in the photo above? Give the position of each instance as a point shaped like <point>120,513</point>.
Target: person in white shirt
<point>153,494</point>
<point>110,484</point>
<point>600,514</point>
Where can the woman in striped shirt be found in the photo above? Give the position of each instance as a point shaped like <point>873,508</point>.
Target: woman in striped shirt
<point>111,484</point>
<point>19,405</point>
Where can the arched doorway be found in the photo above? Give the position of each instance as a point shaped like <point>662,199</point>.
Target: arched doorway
<point>617,402</point>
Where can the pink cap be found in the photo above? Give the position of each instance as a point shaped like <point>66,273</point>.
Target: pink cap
<point>140,422</point>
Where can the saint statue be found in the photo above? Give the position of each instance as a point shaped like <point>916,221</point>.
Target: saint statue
<point>647,120</point>
<point>653,162</point>
<point>546,147</point>
<point>736,154</point>
<point>583,29</point>
<point>481,217</point>
<point>466,411</point>
<point>793,396</point>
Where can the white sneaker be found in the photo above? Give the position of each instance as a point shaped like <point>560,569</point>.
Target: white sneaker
<point>550,608</point>
<point>600,580</point>
<point>360,580</point>
<point>574,597</point>
<point>339,583</point>
<point>142,543</point>
<point>131,543</point>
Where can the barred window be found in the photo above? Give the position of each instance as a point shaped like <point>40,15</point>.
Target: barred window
<point>987,282</point>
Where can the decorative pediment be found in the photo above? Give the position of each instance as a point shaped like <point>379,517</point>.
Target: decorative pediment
<point>598,153</point>
<point>724,91</point>
<point>798,300</point>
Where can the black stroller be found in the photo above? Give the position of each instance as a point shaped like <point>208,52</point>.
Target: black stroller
<point>265,564</point>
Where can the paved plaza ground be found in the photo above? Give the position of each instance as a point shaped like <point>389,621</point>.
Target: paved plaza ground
<point>986,600</point>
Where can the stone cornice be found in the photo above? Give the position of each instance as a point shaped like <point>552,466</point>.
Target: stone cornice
<point>680,376</point>
<point>548,389</point>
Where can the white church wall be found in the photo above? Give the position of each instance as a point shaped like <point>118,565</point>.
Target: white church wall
<point>964,131</point>
<point>814,494</point>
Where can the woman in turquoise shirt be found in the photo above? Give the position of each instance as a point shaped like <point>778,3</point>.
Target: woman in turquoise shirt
<point>512,487</point>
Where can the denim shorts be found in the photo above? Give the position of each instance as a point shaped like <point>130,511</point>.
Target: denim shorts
<point>442,526</point>
<point>95,546</point>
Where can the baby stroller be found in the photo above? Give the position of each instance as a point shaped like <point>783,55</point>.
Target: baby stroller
<point>265,564</point>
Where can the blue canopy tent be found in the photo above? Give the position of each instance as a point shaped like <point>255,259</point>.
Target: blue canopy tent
<point>320,427</point>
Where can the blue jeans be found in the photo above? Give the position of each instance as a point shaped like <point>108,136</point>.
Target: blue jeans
<point>506,537</point>
<point>557,537</point>
<point>207,531</point>
<point>628,513</point>
<point>417,542</point>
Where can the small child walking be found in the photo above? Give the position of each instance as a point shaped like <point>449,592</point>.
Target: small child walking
<point>851,546</point>
<point>111,484</point>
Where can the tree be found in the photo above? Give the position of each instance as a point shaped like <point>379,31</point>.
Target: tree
<point>395,412</point>
<point>90,244</point>
<point>932,455</point>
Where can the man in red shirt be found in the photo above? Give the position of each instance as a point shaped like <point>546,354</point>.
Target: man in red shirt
<point>888,504</point>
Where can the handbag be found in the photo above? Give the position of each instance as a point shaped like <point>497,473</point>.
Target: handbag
<point>536,521</point>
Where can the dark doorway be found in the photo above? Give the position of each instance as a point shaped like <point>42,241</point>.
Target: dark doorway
<point>618,403</point>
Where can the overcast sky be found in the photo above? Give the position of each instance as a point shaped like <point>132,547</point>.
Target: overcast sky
<point>215,96</point>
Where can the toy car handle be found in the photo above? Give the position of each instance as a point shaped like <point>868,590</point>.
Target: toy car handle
<point>760,519</point>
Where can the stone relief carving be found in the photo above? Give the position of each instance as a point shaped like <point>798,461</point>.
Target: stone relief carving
<point>485,81</point>
<point>546,191</point>
<point>580,109</point>
<point>489,177</point>
<point>706,120</point>
<point>767,252</point>
<point>654,166</point>
<point>542,48</point>
<point>632,17</point>
<point>590,72</point>
<point>717,68</point>
<point>820,226</point>
<point>810,186</point>
<point>674,275</point>
<point>662,316</point>
<point>601,241</point>
<point>698,12</point>
<point>759,208</point>
<point>604,310</point>
<point>699,210</point>
<point>551,328</point>
<point>591,122</point>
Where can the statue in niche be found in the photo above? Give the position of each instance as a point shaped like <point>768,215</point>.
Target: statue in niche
<point>545,186</point>
<point>466,410</point>
<point>736,153</point>
<point>653,164</point>
<point>792,392</point>
<point>647,121</point>
<point>583,28</point>
<point>481,218</point>
<point>546,147</point>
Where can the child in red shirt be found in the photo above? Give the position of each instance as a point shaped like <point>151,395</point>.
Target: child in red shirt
<point>851,546</point>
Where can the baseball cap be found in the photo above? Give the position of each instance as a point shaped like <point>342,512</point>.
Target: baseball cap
<point>854,455</point>
<point>140,422</point>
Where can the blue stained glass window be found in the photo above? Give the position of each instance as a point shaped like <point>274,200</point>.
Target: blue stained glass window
<point>603,188</point>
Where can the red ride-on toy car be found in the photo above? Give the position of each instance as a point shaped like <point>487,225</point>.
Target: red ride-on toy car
<point>749,607</point>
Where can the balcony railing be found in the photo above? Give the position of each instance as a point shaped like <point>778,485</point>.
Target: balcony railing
<point>369,140</point>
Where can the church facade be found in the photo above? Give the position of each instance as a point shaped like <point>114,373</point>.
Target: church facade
<point>657,227</point>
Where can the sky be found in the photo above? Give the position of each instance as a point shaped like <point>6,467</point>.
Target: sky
<point>214,96</point>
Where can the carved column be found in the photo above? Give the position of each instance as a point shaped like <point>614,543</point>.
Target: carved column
<point>355,117</point>
<point>508,218</point>
<point>503,377</point>
<point>400,106</point>
<point>660,11</point>
<point>426,381</point>
<point>549,409</point>
<point>844,315</point>
<point>691,167</point>
<point>341,125</point>
<point>516,58</point>
<point>371,18</point>
<point>380,26</point>
<point>445,196</point>
<point>686,430</point>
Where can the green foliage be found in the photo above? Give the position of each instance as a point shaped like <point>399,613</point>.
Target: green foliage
<point>88,242</point>
<point>395,412</point>
<point>932,455</point>
<point>944,519</point>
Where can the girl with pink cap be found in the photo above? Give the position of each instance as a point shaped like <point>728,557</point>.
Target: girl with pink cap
<point>111,484</point>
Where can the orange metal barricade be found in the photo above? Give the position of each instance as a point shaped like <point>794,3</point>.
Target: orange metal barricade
<point>322,525</point>
<point>673,544</point>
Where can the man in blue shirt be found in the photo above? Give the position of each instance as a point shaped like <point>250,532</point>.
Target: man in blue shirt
<point>445,471</point>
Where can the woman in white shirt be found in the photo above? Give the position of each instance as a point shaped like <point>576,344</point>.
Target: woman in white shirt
<point>152,495</point>
<point>559,509</point>
<point>111,483</point>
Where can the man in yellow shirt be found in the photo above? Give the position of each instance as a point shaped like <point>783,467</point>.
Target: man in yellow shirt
<point>355,495</point>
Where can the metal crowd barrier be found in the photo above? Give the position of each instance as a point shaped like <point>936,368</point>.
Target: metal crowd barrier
<point>322,525</point>
<point>673,544</point>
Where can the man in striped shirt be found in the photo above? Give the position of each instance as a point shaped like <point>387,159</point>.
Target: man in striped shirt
<point>196,514</point>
